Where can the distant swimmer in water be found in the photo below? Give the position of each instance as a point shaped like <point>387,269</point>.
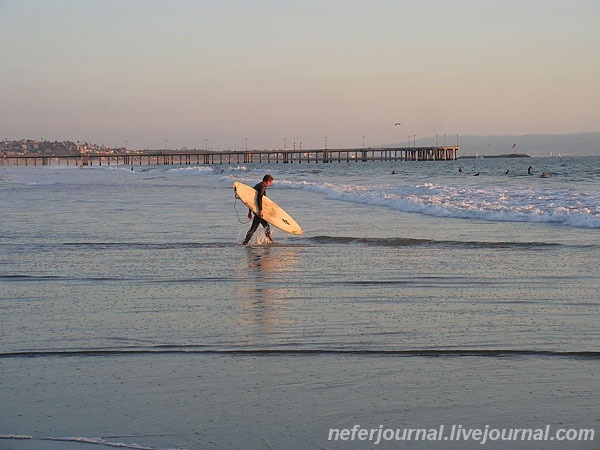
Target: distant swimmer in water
<point>529,170</point>
<point>544,175</point>
<point>460,169</point>
<point>394,172</point>
<point>507,171</point>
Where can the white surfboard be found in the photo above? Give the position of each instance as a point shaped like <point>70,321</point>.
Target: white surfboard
<point>272,213</point>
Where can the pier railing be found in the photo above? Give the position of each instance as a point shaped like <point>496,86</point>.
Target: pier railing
<point>241,157</point>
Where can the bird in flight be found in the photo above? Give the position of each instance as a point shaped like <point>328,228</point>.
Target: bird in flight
<point>397,123</point>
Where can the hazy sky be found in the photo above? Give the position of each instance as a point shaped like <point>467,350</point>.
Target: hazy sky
<point>146,71</point>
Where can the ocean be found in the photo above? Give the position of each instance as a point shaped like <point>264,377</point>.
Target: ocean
<point>420,297</point>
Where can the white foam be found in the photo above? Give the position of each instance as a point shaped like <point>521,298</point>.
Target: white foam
<point>15,436</point>
<point>86,440</point>
<point>99,441</point>
<point>492,203</point>
<point>190,170</point>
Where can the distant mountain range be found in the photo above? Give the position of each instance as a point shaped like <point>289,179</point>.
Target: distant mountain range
<point>576,144</point>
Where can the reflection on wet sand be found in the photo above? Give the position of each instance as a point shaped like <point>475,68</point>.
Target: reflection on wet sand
<point>263,294</point>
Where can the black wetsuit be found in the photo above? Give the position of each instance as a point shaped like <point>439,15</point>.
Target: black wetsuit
<point>262,190</point>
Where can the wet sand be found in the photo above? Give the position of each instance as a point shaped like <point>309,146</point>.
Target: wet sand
<point>235,401</point>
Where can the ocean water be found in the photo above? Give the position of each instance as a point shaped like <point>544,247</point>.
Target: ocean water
<point>131,315</point>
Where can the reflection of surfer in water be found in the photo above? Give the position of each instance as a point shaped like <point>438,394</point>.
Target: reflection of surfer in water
<point>261,188</point>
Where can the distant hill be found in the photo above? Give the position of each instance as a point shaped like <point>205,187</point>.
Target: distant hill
<point>531,144</point>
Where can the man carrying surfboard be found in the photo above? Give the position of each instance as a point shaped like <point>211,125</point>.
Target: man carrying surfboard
<point>266,211</point>
<point>261,189</point>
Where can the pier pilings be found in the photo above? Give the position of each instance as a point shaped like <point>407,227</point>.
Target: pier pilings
<point>324,156</point>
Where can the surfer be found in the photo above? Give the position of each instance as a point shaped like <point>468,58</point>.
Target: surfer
<point>261,188</point>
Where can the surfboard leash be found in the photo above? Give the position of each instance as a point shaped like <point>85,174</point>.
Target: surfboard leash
<point>237,213</point>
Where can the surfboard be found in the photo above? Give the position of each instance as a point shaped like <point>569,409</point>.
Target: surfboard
<point>272,212</point>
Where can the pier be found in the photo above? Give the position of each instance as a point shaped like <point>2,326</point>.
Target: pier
<point>324,156</point>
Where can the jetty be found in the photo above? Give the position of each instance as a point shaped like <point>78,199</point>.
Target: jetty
<point>192,157</point>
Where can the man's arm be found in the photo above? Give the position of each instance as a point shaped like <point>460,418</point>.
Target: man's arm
<point>259,201</point>
<point>261,192</point>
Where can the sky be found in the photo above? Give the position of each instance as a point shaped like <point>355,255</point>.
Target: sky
<point>225,74</point>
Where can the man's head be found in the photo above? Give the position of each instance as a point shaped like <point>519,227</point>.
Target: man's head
<point>268,180</point>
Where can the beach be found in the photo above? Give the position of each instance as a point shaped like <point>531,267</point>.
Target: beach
<point>132,316</point>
